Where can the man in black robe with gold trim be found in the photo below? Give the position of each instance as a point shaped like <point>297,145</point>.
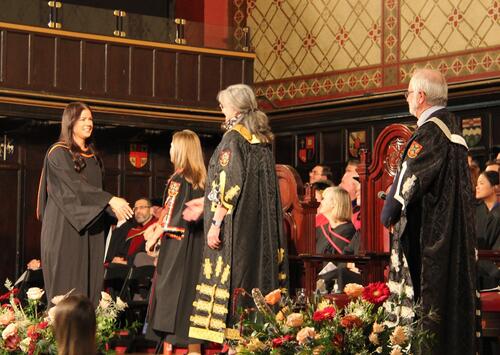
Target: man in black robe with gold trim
<point>430,208</point>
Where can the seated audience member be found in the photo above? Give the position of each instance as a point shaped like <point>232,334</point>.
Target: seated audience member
<point>320,172</point>
<point>128,239</point>
<point>492,165</point>
<point>334,236</point>
<point>352,166</point>
<point>350,183</point>
<point>487,211</point>
<point>487,227</point>
<point>319,187</point>
<point>75,326</point>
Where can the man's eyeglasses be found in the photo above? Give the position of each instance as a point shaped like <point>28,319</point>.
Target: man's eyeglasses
<point>408,93</point>
<point>140,208</point>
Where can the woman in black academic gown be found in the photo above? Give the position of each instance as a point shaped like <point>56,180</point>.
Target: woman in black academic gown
<point>334,236</point>
<point>487,211</point>
<point>71,206</point>
<point>243,219</point>
<point>487,227</point>
<point>181,245</point>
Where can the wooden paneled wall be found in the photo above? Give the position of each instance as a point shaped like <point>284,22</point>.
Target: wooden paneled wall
<point>119,71</point>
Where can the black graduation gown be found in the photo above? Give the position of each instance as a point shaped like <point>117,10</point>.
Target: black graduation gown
<point>71,206</point>
<point>242,177</point>
<point>431,205</point>
<point>488,238</point>
<point>341,236</point>
<point>178,265</point>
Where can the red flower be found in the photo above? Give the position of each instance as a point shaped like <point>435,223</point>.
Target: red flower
<point>42,325</point>
<point>324,314</point>
<point>376,292</point>
<point>32,332</point>
<point>318,316</point>
<point>350,321</point>
<point>278,342</point>
<point>12,342</point>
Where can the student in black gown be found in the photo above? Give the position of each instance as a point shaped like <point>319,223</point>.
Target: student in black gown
<point>242,218</point>
<point>181,245</point>
<point>71,206</point>
<point>487,227</point>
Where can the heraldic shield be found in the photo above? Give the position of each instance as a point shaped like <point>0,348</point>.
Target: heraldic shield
<point>471,130</point>
<point>138,155</point>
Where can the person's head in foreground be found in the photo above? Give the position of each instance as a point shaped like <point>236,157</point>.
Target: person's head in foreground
<point>75,326</point>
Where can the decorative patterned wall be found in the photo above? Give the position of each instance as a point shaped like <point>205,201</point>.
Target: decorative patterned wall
<point>309,51</point>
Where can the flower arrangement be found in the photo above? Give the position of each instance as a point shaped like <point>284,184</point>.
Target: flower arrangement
<point>28,330</point>
<point>363,326</point>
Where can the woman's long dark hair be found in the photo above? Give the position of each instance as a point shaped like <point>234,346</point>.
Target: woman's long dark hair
<point>75,326</point>
<point>70,115</point>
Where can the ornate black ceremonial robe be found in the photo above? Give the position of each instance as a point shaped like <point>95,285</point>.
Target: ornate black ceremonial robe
<point>242,177</point>
<point>71,207</point>
<point>178,265</point>
<point>340,236</point>
<point>431,207</point>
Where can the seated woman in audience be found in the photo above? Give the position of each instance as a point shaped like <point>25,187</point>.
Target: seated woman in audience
<point>487,227</point>
<point>487,211</point>
<point>75,326</point>
<point>334,236</point>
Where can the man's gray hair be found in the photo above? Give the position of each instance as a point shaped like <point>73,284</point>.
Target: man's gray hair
<point>433,84</point>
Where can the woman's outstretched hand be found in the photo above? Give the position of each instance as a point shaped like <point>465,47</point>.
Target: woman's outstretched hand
<point>121,208</point>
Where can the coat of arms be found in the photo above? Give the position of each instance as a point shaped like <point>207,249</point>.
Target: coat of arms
<point>307,148</point>
<point>471,130</point>
<point>138,155</point>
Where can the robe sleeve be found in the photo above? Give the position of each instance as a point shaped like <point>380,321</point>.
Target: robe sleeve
<point>422,162</point>
<point>171,219</point>
<point>230,172</point>
<point>79,201</point>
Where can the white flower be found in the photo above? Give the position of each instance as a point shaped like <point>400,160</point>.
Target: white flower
<point>395,260</point>
<point>25,344</point>
<point>11,329</point>
<point>409,291</point>
<point>56,299</point>
<point>104,304</point>
<point>106,296</point>
<point>120,305</point>
<point>35,293</point>
<point>52,314</point>
<point>407,312</point>
<point>378,350</point>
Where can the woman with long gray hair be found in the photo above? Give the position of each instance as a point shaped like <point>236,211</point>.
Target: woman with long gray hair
<point>242,217</point>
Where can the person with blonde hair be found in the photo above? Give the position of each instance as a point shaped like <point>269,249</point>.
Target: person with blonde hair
<point>181,245</point>
<point>242,216</point>
<point>333,237</point>
<point>75,326</point>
